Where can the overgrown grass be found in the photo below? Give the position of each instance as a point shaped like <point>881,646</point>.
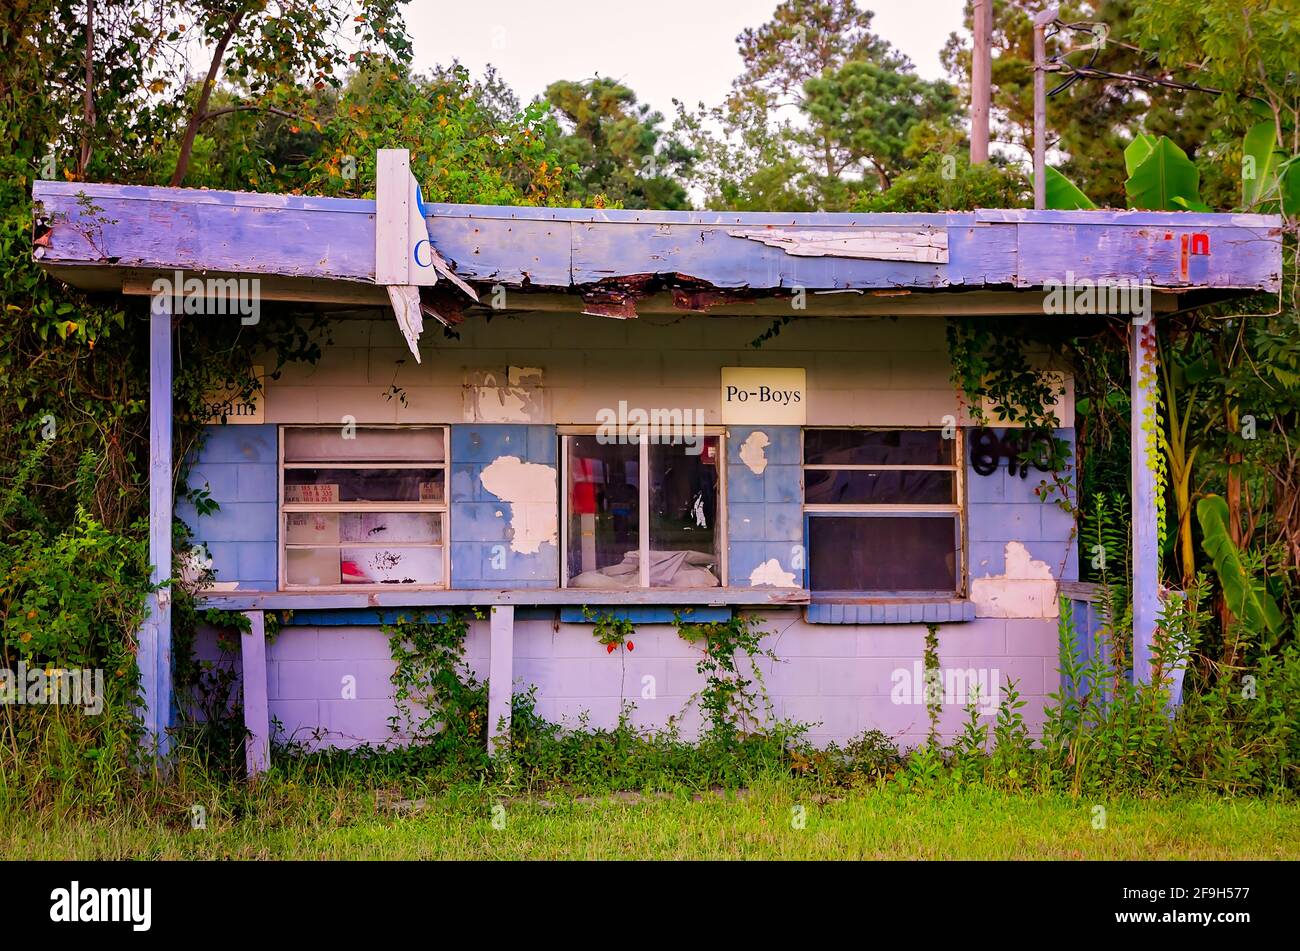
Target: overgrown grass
<point>1113,774</point>
<point>283,818</point>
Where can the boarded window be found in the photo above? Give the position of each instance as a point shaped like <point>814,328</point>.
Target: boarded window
<point>884,513</point>
<point>364,506</point>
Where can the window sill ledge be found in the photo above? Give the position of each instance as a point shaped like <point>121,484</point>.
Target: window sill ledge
<point>834,610</point>
<point>485,597</point>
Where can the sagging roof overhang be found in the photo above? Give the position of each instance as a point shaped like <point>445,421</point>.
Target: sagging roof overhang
<point>616,263</point>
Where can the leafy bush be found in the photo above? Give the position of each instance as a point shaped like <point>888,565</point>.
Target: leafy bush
<point>949,183</point>
<point>65,598</point>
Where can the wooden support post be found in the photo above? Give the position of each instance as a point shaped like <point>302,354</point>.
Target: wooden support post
<point>1041,23</point>
<point>1146,551</point>
<point>981,80</point>
<point>257,713</point>
<point>500,674</point>
<point>154,654</point>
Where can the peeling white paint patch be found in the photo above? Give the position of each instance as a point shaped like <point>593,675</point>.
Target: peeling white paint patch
<point>530,491</point>
<point>524,376</point>
<point>1026,590</point>
<point>927,244</point>
<point>771,573</point>
<point>518,398</point>
<point>496,405</point>
<point>753,451</point>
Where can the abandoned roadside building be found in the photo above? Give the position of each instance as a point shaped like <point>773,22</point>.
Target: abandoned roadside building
<point>601,434</point>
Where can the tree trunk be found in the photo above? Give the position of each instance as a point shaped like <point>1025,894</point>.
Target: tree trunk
<point>88,104</point>
<point>201,107</point>
<point>881,175</point>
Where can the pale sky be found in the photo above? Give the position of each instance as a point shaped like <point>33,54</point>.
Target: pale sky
<point>662,49</point>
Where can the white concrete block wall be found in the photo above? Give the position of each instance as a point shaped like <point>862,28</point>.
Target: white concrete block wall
<point>838,679</point>
<point>866,371</point>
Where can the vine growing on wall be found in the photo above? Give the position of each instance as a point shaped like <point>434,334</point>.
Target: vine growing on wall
<point>933,680</point>
<point>731,696</point>
<point>610,630</point>
<point>990,367</point>
<point>439,700</point>
<point>1154,434</point>
<point>217,356</point>
<point>613,632</point>
<point>210,708</point>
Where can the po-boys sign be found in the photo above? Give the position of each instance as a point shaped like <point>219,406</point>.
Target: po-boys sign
<point>767,396</point>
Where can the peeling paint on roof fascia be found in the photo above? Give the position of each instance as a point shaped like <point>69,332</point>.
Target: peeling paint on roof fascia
<point>923,245</point>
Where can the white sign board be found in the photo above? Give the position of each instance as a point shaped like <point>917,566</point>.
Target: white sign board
<point>764,396</point>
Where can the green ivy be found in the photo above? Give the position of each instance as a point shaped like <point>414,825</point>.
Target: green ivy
<point>733,691</point>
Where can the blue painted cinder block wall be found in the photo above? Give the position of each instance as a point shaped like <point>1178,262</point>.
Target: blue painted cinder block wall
<point>765,511</point>
<point>1002,508</point>
<point>238,466</point>
<point>481,553</point>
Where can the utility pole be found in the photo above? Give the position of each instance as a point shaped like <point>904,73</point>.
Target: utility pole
<point>1041,23</point>
<point>981,81</point>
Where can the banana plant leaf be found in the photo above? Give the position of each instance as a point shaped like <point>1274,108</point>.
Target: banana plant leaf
<point>1063,194</point>
<point>1138,150</point>
<point>1246,597</point>
<point>1260,166</point>
<point>1166,173</point>
<point>1289,174</point>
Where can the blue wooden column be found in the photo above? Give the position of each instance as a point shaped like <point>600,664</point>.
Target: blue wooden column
<point>1143,377</point>
<point>257,716</point>
<point>154,655</point>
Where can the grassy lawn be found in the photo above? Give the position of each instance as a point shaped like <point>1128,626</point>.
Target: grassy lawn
<point>764,822</point>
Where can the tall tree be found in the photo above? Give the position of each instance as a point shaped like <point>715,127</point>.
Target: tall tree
<point>615,147</point>
<point>863,113</point>
<point>1092,117</point>
<point>272,56</point>
<point>822,112</point>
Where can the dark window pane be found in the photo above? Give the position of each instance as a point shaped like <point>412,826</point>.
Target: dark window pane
<point>876,447</point>
<point>363,485</point>
<point>683,516</point>
<point>882,554</point>
<point>887,487</point>
<point>604,513</point>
